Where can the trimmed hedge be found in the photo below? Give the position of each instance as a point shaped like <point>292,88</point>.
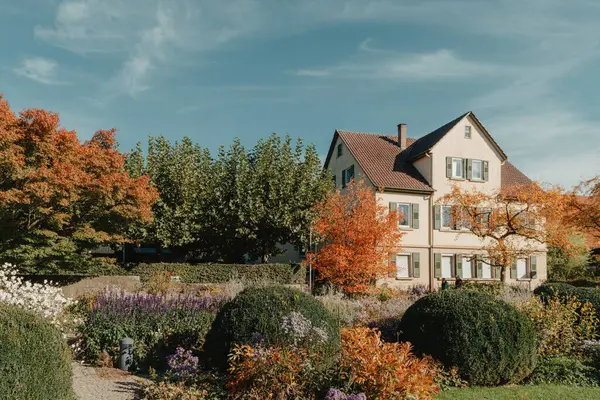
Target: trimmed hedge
<point>564,290</point>
<point>285,274</point>
<point>35,361</point>
<point>488,340</point>
<point>256,316</point>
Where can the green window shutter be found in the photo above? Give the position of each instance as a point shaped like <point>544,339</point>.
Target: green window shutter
<point>415,216</point>
<point>448,167</point>
<point>459,264</point>
<point>533,267</point>
<point>485,171</point>
<point>416,265</point>
<point>437,212</point>
<point>513,270</point>
<point>351,172</point>
<point>393,269</point>
<point>393,206</point>
<point>344,178</point>
<point>339,150</point>
<point>437,257</point>
<point>479,271</point>
<point>469,169</point>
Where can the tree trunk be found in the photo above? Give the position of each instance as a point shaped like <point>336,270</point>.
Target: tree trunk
<point>503,276</point>
<point>265,257</point>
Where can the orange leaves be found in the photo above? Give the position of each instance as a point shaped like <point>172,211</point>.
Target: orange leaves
<point>385,370</point>
<point>585,209</point>
<point>358,234</point>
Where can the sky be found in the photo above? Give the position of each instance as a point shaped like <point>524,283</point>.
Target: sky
<point>215,70</point>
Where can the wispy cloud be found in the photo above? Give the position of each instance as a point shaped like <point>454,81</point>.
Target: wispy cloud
<point>39,69</point>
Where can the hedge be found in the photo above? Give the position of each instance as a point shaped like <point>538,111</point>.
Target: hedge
<point>488,340</point>
<point>35,360</point>
<point>285,274</point>
<point>257,315</point>
<point>564,290</point>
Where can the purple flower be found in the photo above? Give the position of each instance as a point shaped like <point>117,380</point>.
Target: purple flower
<point>182,364</point>
<point>336,394</point>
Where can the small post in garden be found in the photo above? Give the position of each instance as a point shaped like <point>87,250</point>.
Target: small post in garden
<point>126,353</point>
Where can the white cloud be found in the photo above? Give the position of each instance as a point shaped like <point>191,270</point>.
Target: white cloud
<point>39,69</point>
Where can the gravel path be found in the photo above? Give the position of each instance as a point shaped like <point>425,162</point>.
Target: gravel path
<point>92,383</point>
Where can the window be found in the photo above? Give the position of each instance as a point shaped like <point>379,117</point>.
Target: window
<point>477,170</point>
<point>404,212</point>
<point>347,176</point>
<point>334,180</point>
<point>402,266</point>
<point>486,269</point>
<point>447,266</point>
<point>468,132</point>
<point>447,217</point>
<point>339,150</point>
<point>522,269</point>
<point>467,267</point>
<point>458,168</point>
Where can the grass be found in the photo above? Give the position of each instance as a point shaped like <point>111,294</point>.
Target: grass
<point>538,392</point>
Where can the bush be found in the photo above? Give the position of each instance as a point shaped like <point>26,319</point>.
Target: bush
<point>566,291</point>
<point>561,325</point>
<point>156,323</point>
<point>488,340</point>
<point>384,370</point>
<point>563,371</point>
<point>35,362</point>
<point>271,316</point>
<point>285,274</point>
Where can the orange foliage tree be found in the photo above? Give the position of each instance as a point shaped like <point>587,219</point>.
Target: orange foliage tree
<point>585,202</point>
<point>357,235</point>
<point>59,197</point>
<point>512,223</point>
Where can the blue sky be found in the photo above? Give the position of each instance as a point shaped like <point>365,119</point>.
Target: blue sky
<point>214,70</point>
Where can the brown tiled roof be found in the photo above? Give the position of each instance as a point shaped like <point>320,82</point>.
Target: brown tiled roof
<point>388,167</point>
<point>512,176</point>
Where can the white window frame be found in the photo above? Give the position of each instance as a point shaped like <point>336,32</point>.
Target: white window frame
<point>486,265</point>
<point>526,275</point>
<point>473,177</point>
<point>468,132</point>
<point>451,257</point>
<point>407,216</point>
<point>408,257</point>
<point>467,260</point>
<point>462,168</point>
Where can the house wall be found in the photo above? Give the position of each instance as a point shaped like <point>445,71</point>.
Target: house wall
<point>338,164</point>
<point>423,165</point>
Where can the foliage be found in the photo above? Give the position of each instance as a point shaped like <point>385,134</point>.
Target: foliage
<point>257,316</point>
<point>336,394</point>
<point>563,371</point>
<point>585,206</point>
<point>35,361</point>
<point>384,370</point>
<point>514,222</point>
<point>561,325</point>
<point>44,299</point>
<point>566,265</point>
<point>156,323</point>
<point>165,390</point>
<point>566,291</point>
<point>541,392</point>
<point>448,378</point>
<point>278,372</point>
<point>220,273</point>
<point>158,282</point>
<point>358,234</point>
<point>488,340</point>
<point>182,364</point>
<point>60,198</point>
<point>240,202</point>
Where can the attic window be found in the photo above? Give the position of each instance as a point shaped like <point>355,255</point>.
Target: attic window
<point>339,150</point>
<point>468,132</point>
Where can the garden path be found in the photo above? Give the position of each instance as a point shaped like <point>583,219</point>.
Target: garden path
<point>92,383</point>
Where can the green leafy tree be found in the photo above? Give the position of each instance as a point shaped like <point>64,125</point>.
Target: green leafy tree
<point>567,265</point>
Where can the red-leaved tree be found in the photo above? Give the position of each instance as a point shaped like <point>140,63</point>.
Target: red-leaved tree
<point>357,235</point>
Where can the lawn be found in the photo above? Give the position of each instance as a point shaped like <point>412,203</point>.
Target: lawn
<point>539,392</point>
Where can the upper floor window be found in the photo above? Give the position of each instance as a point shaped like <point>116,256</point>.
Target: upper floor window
<point>447,222</point>
<point>404,212</point>
<point>468,132</point>
<point>458,168</point>
<point>347,176</point>
<point>477,170</point>
<point>339,150</point>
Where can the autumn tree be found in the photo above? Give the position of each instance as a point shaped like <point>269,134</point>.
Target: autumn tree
<point>358,234</point>
<point>585,208</point>
<point>512,223</point>
<point>60,198</point>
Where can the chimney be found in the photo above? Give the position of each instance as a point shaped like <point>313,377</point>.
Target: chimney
<point>402,136</point>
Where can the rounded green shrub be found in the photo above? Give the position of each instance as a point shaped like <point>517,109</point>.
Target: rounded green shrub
<point>488,340</point>
<point>35,361</point>
<point>273,315</point>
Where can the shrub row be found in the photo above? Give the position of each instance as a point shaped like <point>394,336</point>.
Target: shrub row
<point>35,361</point>
<point>285,274</point>
<point>564,291</point>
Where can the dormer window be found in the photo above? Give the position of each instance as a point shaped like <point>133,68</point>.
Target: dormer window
<point>467,132</point>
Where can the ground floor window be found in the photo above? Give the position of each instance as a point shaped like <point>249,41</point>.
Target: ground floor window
<point>402,266</point>
<point>467,268</point>
<point>486,270</point>
<point>447,266</point>
<point>522,269</point>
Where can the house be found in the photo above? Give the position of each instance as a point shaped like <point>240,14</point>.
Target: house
<point>411,175</point>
